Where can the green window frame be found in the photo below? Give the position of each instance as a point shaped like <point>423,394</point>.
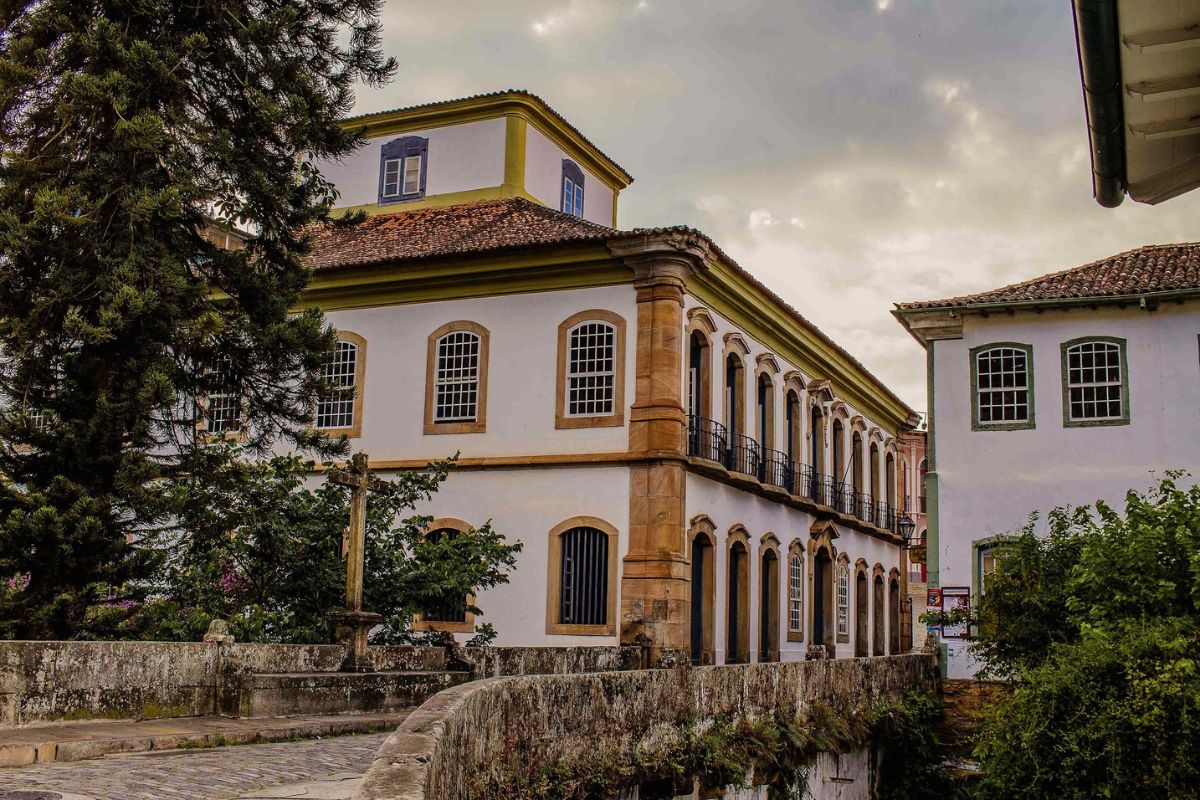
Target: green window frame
<point>981,548</point>
<point>1015,425</point>
<point>1102,387</point>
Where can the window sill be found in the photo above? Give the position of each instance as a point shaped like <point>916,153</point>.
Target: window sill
<point>448,627</point>
<point>391,201</point>
<point>352,432</point>
<point>560,629</point>
<point>1094,423</point>
<point>609,421</point>
<point>434,428</point>
<point>843,638</point>
<point>1004,426</point>
<point>795,636</point>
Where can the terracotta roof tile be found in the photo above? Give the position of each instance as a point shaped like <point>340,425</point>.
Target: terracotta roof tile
<point>477,227</point>
<point>1145,270</point>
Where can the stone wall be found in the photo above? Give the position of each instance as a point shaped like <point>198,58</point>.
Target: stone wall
<point>51,681</point>
<point>457,734</point>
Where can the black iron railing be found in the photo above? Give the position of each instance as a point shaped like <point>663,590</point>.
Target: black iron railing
<point>710,440</point>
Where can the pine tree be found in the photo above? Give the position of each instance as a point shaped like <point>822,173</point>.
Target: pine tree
<point>135,134</point>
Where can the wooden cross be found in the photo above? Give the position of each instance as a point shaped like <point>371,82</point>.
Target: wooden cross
<point>354,624</point>
<point>360,483</point>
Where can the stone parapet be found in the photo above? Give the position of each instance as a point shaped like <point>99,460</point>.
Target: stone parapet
<point>454,740</point>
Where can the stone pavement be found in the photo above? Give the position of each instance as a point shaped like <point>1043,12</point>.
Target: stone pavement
<point>323,769</point>
<point>75,741</point>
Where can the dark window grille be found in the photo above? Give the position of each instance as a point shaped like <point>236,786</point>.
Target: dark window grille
<point>583,597</point>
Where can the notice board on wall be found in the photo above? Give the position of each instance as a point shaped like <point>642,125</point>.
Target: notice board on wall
<point>956,597</point>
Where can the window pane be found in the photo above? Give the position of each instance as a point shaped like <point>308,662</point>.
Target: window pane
<point>1094,381</point>
<point>336,410</point>
<point>579,201</point>
<point>412,175</point>
<point>796,594</point>
<point>456,384</point>
<point>591,373</point>
<point>1002,381</point>
<point>568,204</point>
<point>391,177</point>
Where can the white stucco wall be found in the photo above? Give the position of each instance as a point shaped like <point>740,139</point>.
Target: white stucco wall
<point>989,481</point>
<point>524,505</point>
<point>543,179</point>
<point>728,506</point>
<point>461,157</point>
<point>522,374</point>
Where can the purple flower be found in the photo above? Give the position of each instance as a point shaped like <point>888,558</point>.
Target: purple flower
<point>232,581</point>
<point>17,583</point>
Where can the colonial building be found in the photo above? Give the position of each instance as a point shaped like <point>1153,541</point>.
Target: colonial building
<point>683,455</point>
<point>1065,389</point>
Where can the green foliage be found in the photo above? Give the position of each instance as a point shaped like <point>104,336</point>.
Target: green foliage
<point>129,133</point>
<point>1107,701</point>
<point>912,767</point>
<point>260,546</point>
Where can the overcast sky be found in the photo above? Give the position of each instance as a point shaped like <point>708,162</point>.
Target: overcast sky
<point>850,153</point>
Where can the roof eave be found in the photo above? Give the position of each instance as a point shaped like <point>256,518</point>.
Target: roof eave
<point>1138,298</point>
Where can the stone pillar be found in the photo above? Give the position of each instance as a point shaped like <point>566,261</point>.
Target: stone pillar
<point>656,574</point>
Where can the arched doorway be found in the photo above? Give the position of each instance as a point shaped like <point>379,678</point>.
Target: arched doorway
<point>877,618</point>
<point>768,606</point>
<point>703,611</point>
<point>894,615</point>
<point>737,625</point>
<point>822,604</point>
<point>861,609</point>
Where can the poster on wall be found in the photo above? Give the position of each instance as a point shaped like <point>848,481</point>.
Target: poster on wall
<point>954,597</point>
<point>933,602</point>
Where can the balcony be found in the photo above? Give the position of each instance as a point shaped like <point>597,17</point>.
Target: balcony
<point>712,441</point>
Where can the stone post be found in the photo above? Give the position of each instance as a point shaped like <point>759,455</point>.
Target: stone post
<point>656,574</point>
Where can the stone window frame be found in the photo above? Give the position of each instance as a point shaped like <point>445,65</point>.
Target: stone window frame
<point>734,420</point>
<point>739,535</point>
<point>703,526</point>
<point>573,173</point>
<point>1028,424</point>
<point>354,429</point>
<point>841,608</point>
<point>701,326</point>
<point>419,623</point>
<point>1064,347</point>
<point>895,612</point>
<point>822,536</point>
<point>766,368</point>
<point>796,551</point>
<point>401,149</point>
<point>879,640</point>
<point>479,425</point>
<point>862,611</point>
<point>769,543</point>
<point>616,419</point>
<point>554,579</point>
<point>793,389</point>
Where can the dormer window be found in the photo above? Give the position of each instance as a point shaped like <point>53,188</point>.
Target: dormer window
<point>572,188</point>
<point>402,165</point>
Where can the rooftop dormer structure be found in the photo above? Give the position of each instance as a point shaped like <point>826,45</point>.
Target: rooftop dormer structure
<point>491,146</point>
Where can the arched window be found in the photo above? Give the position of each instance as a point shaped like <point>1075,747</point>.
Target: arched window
<point>734,392</point>
<point>876,494</point>
<point>817,454</point>
<point>584,598</point>
<point>582,589</point>
<point>1001,375</point>
<point>838,445</point>
<point>1095,382</point>
<point>456,379</point>
<point>572,188</point>
<point>793,418</point>
<point>698,380</point>
<point>765,412</point>
<point>591,370</point>
<point>856,465</point>
<point>843,602</point>
<point>446,616</point>
<point>402,164</point>
<point>921,485</point>
<point>223,405</point>
<point>889,480</point>
<point>796,596</point>
<point>340,411</point>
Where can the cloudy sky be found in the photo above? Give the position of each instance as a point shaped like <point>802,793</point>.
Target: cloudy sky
<point>850,153</point>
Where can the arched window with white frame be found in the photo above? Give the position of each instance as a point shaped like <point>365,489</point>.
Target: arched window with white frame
<point>843,602</point>
<point>796,593</point>
<point>591,367</point>
<point>339,411</point>
<point>1095,382</point>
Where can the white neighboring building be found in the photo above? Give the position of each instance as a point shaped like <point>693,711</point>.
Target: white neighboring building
<point>687,460</point>
<point>1062,390</point>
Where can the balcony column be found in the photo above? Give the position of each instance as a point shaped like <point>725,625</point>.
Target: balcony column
<point>656,573</point>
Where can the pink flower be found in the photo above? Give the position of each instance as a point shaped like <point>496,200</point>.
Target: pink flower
<point>17,583</point>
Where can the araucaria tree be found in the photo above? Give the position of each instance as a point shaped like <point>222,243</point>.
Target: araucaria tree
<point>133,132</point>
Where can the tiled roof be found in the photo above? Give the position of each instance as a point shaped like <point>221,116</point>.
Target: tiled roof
<point>1146,270</point>
<point>478,227</point>
<point>493,225</point>
<point>502,93</point>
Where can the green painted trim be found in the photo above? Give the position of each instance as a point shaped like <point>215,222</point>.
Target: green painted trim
<point>976,425</point>
<point>987,542</point>
<point>484,275</point>
<point>1066,394</point>
<point>726,292</point>
<point>933,538</point>
<point>514,156</point>
<point>439,200</point>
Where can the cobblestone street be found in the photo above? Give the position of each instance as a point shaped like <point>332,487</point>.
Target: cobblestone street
<point>327,769</point>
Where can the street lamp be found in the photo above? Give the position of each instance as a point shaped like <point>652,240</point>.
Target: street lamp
<point>906,526</point>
